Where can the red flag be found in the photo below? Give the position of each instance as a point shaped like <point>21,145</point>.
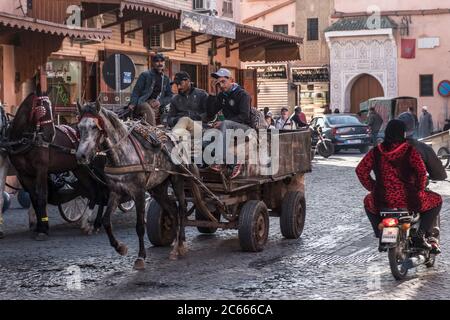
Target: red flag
<point>408,48</point>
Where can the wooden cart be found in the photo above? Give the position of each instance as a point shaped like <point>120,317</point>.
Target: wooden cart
<point>440,142</point>
<point>245,203</point>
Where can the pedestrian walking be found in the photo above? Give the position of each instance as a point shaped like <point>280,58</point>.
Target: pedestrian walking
<point>425,123</point>
<point>374,121</point>
<point>284,122</point>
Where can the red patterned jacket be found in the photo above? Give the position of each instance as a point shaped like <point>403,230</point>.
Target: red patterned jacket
<point>401,162</point>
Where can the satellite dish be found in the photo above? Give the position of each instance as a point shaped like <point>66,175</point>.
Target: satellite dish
<point>118,71</point>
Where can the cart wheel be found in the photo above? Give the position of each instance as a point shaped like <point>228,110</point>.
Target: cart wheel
<point>292,219</point>
<point>443,155</point>
<point>23,198</point>
<point>199,216</point>
<point>161,226</point>
<point>126,206</point>
<point>6,201</point>
<point>253,226</point>
<point>73,210</point>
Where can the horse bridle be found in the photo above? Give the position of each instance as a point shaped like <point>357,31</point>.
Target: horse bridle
<point>100,123</point>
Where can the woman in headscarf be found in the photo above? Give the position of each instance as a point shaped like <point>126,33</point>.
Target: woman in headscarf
<point>400,181</point>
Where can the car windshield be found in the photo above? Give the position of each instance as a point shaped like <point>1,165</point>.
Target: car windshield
<point>343,120</point>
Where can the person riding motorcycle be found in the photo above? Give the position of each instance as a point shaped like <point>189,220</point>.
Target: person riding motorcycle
<point>435,169</point>
<point>400,182</point>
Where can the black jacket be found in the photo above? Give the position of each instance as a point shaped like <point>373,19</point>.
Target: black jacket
<point>192,105</point>
<point>144,88</point>
<point>434,166</point>
<point>235,105</point>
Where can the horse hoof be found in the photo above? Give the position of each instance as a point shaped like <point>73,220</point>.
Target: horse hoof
<point>41,236</point>
<point>173,256</point>
<point>88,230</point>
<point>182,250</point>
<point>122,249</point>
<point>139,264</point>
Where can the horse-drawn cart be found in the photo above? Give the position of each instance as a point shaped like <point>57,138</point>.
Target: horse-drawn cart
<point>246,202</point>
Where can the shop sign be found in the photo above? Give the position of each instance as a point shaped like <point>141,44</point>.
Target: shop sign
<point>307,75</point>
<point>201,23</point>
<point>270,71</point>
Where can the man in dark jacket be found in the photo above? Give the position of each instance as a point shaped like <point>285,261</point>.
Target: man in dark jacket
<point>187,112</point>
<point>435,169</point>
<point>151,91</point>
<point>188,105</point>
<point>234,102</point>
<point>374,121</point>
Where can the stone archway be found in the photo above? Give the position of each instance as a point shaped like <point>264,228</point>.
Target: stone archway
<point>350,58</point>
<point>362,88</point>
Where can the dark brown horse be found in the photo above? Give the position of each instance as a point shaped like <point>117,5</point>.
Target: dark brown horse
<point>39,150</point>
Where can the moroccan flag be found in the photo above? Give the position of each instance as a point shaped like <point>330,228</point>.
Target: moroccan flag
<point>408,48</point>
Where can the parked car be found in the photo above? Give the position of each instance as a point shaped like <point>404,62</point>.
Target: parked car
<point>346,131</point>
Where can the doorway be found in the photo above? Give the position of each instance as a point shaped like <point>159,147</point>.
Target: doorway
<point>364,88</point>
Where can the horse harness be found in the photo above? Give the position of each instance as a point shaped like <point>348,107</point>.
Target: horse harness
<point>157,138</point>
<point>40,116</point>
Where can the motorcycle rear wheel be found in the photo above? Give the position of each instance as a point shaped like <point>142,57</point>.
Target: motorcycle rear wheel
<point>395,262</point>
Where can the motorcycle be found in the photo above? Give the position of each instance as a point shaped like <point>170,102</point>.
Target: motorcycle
<point>321,145</point>
<point>399,227</point>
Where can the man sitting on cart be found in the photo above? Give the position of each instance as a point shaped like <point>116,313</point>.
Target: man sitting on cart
<point>152,90</point>
<point>187,109</point>
<point>234,102</point>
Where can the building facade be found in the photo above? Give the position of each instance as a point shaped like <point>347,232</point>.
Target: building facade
<point>307,80</point>
<point>390,48</point>
<point>195,36</point>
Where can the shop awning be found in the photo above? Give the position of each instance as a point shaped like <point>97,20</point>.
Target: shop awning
<point>150,8</point>
<point>14,23</point>
<point>34,40</point>
<point>256,44</point>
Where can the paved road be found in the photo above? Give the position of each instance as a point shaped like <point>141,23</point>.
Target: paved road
<point>336,257</point>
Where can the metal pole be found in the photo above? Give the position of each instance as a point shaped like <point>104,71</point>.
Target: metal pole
<point>117,73</point>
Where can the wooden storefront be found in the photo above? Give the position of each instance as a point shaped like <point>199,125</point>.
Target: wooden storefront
<point>134,24</point>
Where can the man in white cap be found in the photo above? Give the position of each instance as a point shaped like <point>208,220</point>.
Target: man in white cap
<point>235,104</point>
<point>425,123</point>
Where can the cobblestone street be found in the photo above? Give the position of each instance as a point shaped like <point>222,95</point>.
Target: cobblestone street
<point>336,257</point>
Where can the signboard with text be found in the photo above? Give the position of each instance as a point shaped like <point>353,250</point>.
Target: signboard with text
<point>270,71</point>
<point>306,75</point>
